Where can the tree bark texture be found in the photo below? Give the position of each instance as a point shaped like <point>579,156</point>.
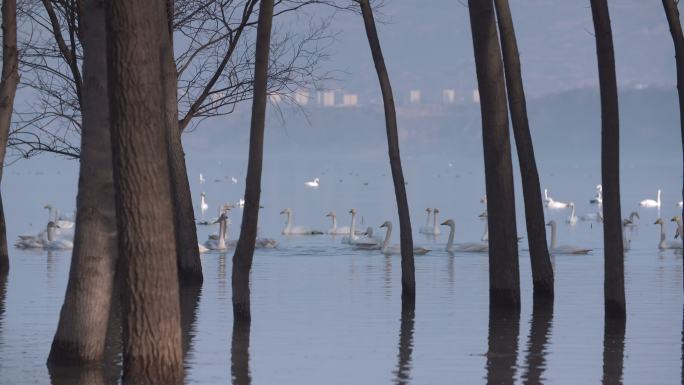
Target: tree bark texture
<point>138,48</point>
<point>504,275</point>
<point>672,14</point>
<point>8,89</point>
<point>614,269</point>
<point>80,336</point>
<point>542,271</point>
<point>408,278</point>
<point>244,252</point>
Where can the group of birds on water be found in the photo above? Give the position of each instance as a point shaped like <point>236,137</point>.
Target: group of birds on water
<point>59,232</point>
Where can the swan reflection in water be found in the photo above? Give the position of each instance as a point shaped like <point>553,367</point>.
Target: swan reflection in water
<point>402,375</point>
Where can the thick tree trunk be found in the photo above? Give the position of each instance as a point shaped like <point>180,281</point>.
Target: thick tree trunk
<point>542,272</point>
<point>239,353</point>
<point>189,263</point>
<point>672,14</point>
<point>504,276</point>
<point>80,336</point>
<point>137,50</point>
<point>614,282</point>
<point>408,316</point>
<point>8,88</point>
<point>502,352</point>
<point>537,341</point>
<point>244,252</point>
<point>408,277</point>
<point>613,349</point>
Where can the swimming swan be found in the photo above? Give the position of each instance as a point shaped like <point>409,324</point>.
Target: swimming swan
<point>563,249</point>
<point>314,183</point>
<point>651,202</point>
<point>296,230</point>
<point>334,230</point>
<point>388,249</point>
<point>368,242</point>
<point>425,229</point>
<point>473,247</point>
<point>51,242</point>
<point>351,234</point>
<point>572,219</point>
<point>598,199</point>
<point>664,244</point>
<point>550,203</point>
<point>432,229</point>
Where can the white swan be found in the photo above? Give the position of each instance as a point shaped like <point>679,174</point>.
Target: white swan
<point>51,242</point>
<point>425,229</point>
<point>201,178</point>
<point>433,229</point>
<point>572,219</point>
<point>664,244</point>
<point>219,242</point>
<point>368,241</point>
<point>388,249</point>
<point>651,202</point>
<point>296,230</point>
<point>680,204</point>
<point>314,183</point>
<point>62,223</point>
<point>473,247</point>
<point>546,197</point>
<point>334,230</point>
<point>563,249</point>
<point>598,199</point>
<point>485,235</point>
<point>351,234</point>
<point>204,206</point>
<point>557,205</point>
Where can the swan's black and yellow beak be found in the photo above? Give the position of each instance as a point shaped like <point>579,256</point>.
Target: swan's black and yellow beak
<point>445,223</point>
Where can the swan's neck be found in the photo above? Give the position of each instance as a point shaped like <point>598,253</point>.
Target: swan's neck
<point>222,234</point>
<point>658,199</point>
<point>388,235</point>
<point>553,236</point>
<point>450,241</point>
<point>427,222</point>
<point>352,228</point>
<point>50,233</point>
<point>632,216</point>
<point>51,214</point>
<point>225,229</point>
<point>334,220</point>
<point>546,194</point>
<point>435,225</point>
<point>485,234</point>
<point>289,220</point>
<point>662,235</point>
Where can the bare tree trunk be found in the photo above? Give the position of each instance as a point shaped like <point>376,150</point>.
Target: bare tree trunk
<point>614,269</point>
<point>189,263</point>
<point>542,272</point>
<point>8,88</point>
<point>672,14</point>
<point>408,277</point>
<point>244,252</point>
<point>504,275</point>
<point>80,336</point>
<point>137,50</point>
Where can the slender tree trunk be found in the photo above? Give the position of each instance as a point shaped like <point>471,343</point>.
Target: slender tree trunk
<point>137,50</point>
<point>408,277</point>
<point>80,336</point>
<point>672,14</point>
<point>8,88</point>
<point>614,282</point>
<point>244,252</point>
<point>239,354</point>
<point>504,276</point>
<point>189,263</point>
<point>542,272</point>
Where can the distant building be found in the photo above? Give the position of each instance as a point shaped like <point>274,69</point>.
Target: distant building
<point>329,98</point>
<point>449,96</point>
<point>476,96</point>
<point>301,97</point>
<point>414,97</point>
<point>350,99</point>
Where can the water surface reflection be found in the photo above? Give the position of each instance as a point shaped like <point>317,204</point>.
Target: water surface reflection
<point>502,352</point>
<point>239,354</point>
<point>613,350</point>
<point>408,314</point>
<point>537,341</point>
